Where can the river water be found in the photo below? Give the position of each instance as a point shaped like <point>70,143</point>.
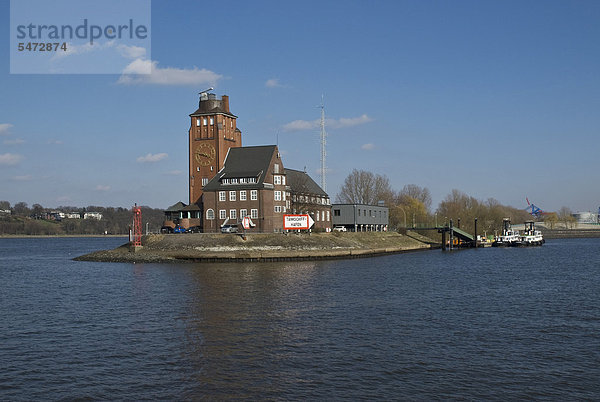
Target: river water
<point>471,324</point>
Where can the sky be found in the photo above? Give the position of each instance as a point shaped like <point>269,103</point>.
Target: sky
<point>498,99</point>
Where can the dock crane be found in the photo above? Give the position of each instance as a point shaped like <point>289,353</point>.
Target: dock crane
<point>535,210</point>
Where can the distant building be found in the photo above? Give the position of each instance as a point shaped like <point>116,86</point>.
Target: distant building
<point>361,217</point>
<point>586,217</point>
<point>72,215</point>
<point>5,211</point>
<point>92,215</point>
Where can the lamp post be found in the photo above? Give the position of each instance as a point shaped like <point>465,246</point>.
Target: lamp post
<point>404,212</point>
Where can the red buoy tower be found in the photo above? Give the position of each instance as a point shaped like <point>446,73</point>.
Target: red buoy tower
<point>137,226</point>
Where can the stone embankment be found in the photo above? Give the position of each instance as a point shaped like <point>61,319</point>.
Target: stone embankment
<point>260,247</point>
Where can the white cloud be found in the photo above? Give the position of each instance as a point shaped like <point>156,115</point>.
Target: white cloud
<point>367,147</point>
<point>136,73</point>
<point>299,125</point>
<point>26,177</point>
<point>4,128</point>
<point>132,52</point>
<point>101,187</point>
<point>8,159</point>
<point>273,83</point>
<point>16,141</point>
<point>55,142</point>
<point>152,157</point>
<point>174,172</point>
<point>348,122</point>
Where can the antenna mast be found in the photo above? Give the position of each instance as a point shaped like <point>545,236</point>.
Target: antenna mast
<point>323,143</point>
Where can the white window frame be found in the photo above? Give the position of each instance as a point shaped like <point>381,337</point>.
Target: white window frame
<point>222,214</point>
<point>254,213</point>
<point>283,180</point>
<point>233,214</point>
<point>277,180</point>
<point>204,181</point>
<point>278,209</point>
<point>243,196</point>
<point>222,196</point>
<point>253,195</point>
<point>276,168</point>
<point>243,213</point>
<point>277,195</point>
<point>232,196</point>
<point>210,214</point>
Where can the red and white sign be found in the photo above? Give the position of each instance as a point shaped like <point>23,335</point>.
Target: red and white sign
<point>246,222</point>
<point>297,222</point>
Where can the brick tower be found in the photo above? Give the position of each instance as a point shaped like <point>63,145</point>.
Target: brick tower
<point>213,131</point>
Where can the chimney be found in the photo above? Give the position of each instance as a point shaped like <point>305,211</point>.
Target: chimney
<point>225,99</point>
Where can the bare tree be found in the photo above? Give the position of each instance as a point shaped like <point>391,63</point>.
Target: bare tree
<point>362,187</point>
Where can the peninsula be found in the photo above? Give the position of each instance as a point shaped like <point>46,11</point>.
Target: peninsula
<point>261,247</point>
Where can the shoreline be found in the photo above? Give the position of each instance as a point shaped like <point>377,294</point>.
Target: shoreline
<point>8,236</point>
<point>198,248</point>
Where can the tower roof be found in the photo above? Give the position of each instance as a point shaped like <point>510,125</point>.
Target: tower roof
<point>210,104</point>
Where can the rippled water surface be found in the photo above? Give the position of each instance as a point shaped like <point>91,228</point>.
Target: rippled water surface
<point>475,324</point>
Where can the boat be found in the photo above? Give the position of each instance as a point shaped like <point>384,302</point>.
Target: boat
<point>531,236</point>
<point>509,236</point>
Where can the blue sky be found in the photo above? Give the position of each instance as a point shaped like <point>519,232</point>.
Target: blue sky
<point>495,98</point>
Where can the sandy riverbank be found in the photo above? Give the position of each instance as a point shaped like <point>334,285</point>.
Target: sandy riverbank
<point>260,247</point>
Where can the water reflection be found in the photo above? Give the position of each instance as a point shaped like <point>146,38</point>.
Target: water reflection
<point>239,331</point>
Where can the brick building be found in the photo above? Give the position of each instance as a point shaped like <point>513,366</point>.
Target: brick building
<point>228,182</point>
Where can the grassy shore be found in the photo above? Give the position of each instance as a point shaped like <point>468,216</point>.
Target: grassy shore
<point>259,247</point>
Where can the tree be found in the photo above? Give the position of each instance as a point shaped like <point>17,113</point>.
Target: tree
<point>565,215</point>
<point>421,194</point>
<point>362,187</point>
<point>4,205</point>
<point>551,219</point>
<point>20,208</point>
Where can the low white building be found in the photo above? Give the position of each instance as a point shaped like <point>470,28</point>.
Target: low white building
<point>92,215</point>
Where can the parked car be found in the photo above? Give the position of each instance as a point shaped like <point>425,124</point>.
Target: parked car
<point>229,229</point>
<point>340,229</point>
<point>179,229</point>
<point>194,229</point>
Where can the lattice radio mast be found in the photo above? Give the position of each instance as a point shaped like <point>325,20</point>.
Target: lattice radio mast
<point>323,144</point>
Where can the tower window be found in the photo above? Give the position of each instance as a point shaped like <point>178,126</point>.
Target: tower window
<point>197,122</point>
<point>204,121</point>
<point>212,121</point>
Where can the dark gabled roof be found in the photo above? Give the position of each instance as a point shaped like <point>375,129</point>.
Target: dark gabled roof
<point>192,207</point>
<point>176,207</point>
<point>301,182</point>
<point>244,162</point>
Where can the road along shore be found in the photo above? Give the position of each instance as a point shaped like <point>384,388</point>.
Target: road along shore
<point>201,247</point>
